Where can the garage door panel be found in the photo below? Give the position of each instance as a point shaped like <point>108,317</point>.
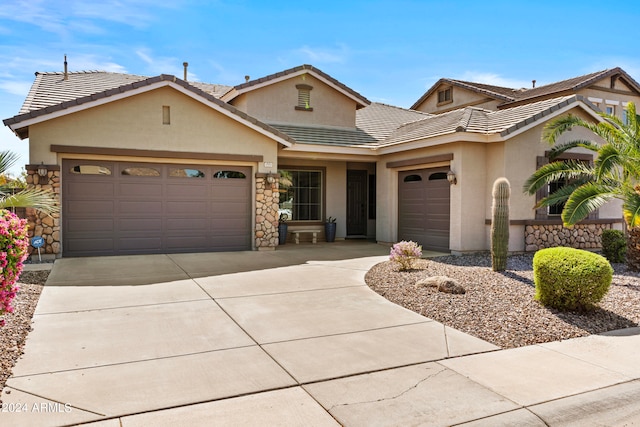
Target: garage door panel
<point>191,189</point>
<point>93,208</point>
<point>145,210</point>
<point>187,208</point>
<point>91,245</point>
<point>105,225</point>
<point>140,244</point>
<point>140,207</point>
<point>187,224</point>
<point>91,189</point>
<point>146,225</point>
<point>140,190</point>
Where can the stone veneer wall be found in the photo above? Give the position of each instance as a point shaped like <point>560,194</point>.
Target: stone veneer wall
<point>581,236</point>
<point>267,205</point>
<point>41,224</point>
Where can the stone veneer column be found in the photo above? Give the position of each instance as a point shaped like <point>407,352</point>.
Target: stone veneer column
<point>267,205</point>
<point>41,224</point>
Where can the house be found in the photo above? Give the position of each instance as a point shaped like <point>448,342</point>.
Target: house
<point>160,164</point>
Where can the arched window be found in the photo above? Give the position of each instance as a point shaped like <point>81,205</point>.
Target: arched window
<point>90,170</point>
<point>412,178</point>
<point>140,171</point>
<point>229,174</point>
<point>437,175</point>
<point>186,173</point>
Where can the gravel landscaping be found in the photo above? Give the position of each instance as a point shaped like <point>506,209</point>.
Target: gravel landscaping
<point>18,323</point>
<point>499,307</point>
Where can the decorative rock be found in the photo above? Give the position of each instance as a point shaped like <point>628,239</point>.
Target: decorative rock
<point>442,283</point>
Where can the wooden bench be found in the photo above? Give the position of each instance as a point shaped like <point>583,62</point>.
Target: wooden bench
<point>297,235</point>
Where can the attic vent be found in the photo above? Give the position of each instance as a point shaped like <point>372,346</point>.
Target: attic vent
<point>304,97</point>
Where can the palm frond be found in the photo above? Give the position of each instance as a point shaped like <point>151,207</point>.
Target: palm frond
<point>631,208</point>
<point>7,160</point>
<point>559,149</point>
<point>557,127</point>
<point>584,200</point>
<point>569,170</point>
<point>42,200</point>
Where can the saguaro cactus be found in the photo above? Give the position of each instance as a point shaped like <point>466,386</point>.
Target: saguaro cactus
<point>500,224</point>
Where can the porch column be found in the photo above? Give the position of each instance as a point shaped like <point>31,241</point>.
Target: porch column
<point>41,224</point>
<point>267,204</point>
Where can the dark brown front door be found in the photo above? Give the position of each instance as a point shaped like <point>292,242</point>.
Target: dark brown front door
<point>423,208</point>
<point>357,202</point>
<point>118,208</point>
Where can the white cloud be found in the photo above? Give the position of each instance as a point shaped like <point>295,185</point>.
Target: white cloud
<point>20,88</point>
<point>164,65</point>
<point>495,79</point>
<point>323,55</point>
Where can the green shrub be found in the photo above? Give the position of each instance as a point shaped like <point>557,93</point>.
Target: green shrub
<point>614,245</point>
<point>570,279</point>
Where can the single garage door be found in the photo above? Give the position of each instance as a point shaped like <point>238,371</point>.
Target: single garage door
<point>423,208</point>
<point>117,208</point>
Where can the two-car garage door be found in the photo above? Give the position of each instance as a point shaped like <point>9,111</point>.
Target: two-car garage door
<point>117,208</point>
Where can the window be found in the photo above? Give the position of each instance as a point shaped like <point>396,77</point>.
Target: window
<point>625,119</point>
<point>445,95</point>
<point>554,211</point>
<point>304,97</point>
<point>90,170</point>
<point>610,109</point>
<point>229,175</point>
<point>412,178</point>
<point>301,194</point>
<point>437,175</point>
<point>141,171</point>
<point>166,115</point>
<point>186,173</point>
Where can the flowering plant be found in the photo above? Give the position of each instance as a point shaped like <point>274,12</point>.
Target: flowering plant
<point>14,243</point>
<point>404,253</point>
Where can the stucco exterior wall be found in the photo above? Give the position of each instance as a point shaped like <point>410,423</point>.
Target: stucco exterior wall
<point>276,103</point>
<point>136,123</point>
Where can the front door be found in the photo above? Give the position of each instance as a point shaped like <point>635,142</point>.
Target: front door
<point>357,202</point>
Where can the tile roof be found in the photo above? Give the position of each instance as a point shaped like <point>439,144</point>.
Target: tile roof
<point>51,89</point>
<point>479,120</point>
<point>380,120</point>
<point>571,85</point>
<point>517,96</point>
<point>74,98</point>
<point>374,123</point>
<point>326,135</point>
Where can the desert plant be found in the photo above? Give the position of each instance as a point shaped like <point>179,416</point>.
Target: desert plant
<point>43,200</point>
<point>500,224</point>
<point>614,174</point>
<point>614,245</point>
<point>404,253</point>
<point>570,279</point>
<point>13,251</point>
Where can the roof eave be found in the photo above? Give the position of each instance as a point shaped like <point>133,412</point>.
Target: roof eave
<point>19,124</point>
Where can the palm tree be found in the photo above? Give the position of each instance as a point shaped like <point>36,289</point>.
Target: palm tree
<point>615,174</point>
<point>42,200</point>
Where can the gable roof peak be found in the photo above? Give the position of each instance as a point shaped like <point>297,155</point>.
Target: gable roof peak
<point>292,72</point>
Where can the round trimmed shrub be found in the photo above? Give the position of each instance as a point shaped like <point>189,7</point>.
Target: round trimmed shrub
<point>570,279</point>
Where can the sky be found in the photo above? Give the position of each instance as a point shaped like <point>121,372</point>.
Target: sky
<point>389,51</point>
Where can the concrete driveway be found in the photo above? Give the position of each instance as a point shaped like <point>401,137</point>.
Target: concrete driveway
<point>292,338</point>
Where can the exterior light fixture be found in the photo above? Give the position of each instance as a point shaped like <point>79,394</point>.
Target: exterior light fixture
<point>451,177</point>
<point>42,169</point>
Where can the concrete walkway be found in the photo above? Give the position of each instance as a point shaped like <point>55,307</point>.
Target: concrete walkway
<point>291,338</point>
